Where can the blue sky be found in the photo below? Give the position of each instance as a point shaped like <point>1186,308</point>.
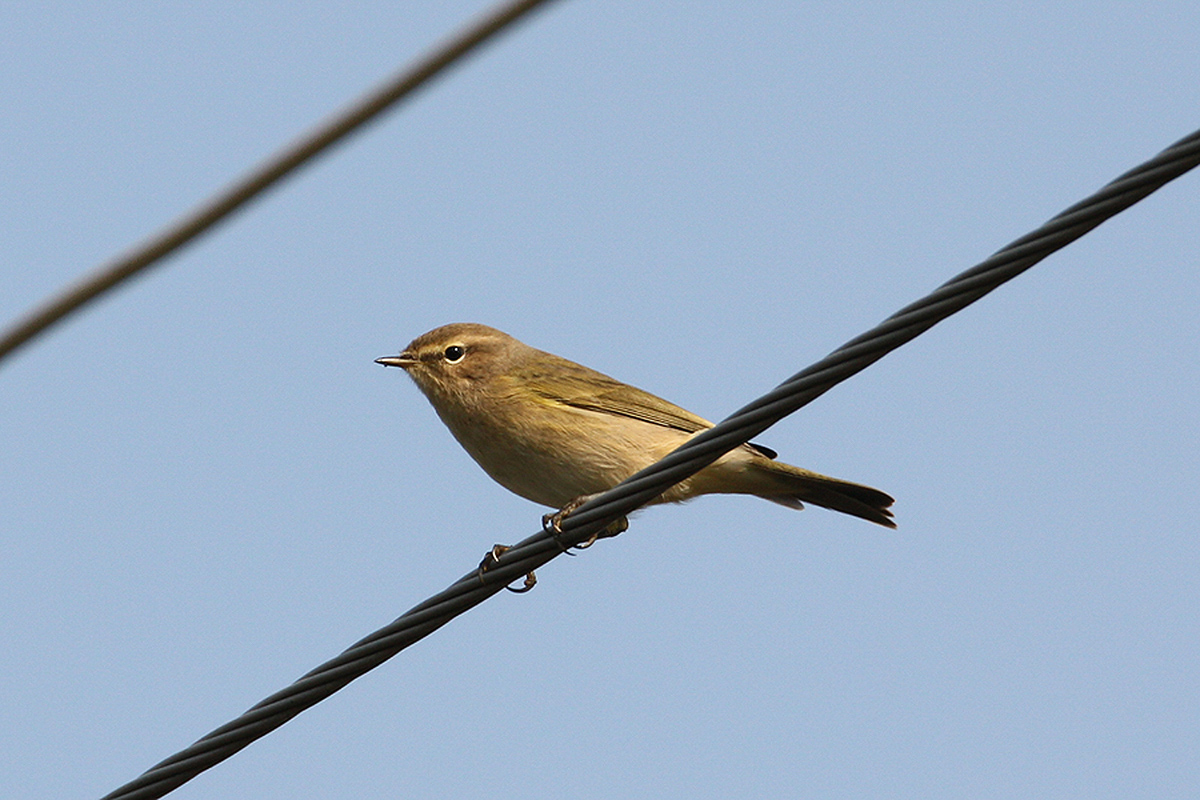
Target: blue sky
<point>210,488</point>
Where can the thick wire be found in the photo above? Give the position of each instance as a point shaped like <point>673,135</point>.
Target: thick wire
<point>697,453</point>
<point>200,219</point>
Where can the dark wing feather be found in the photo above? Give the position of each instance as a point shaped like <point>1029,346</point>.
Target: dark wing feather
<point>763,450</point>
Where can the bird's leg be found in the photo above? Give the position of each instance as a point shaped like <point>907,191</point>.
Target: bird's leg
<point>491,559</point>
<point>552,523</point>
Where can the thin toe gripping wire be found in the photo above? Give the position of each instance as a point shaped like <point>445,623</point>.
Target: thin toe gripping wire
<point>593,516</point>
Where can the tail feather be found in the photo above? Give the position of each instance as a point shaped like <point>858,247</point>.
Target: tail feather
<point>798,486</point>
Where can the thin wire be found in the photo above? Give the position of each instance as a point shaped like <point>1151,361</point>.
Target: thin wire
<point>191,225</point>
<point>799,390</point>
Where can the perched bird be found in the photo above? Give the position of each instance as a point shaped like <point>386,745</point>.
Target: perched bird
<point>556,432</point>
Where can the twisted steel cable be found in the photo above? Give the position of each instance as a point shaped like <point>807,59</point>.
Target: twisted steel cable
<point>697,453</point>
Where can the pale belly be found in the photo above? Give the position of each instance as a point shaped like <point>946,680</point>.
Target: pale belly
<point>565,453</point>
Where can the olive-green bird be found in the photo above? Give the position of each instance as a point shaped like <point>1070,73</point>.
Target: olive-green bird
<point>556,432</point>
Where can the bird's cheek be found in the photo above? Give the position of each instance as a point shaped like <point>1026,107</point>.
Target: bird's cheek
<point>423,380</point>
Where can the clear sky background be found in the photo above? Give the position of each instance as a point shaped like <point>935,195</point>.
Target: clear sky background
<point>209,488</point>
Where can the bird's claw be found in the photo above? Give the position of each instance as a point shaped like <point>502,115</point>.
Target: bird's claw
<point>491,559</point>
<point>552,524</point>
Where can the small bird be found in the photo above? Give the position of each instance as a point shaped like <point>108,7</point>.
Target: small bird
<point>558,433</point>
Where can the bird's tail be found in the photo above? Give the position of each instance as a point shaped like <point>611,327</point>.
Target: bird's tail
<point>793,487</point>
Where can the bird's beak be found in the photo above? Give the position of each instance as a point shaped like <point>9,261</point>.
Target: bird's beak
<point>404,360</point>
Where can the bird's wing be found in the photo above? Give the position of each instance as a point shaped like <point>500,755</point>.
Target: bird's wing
<point>575,385</point>
<point>579,387</point>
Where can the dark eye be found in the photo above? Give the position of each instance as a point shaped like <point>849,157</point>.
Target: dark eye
<point>454,353</point>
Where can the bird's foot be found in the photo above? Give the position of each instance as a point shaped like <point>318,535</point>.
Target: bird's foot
<point>615,528</point>
<point>552,524</point>
<point>493,557</point>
